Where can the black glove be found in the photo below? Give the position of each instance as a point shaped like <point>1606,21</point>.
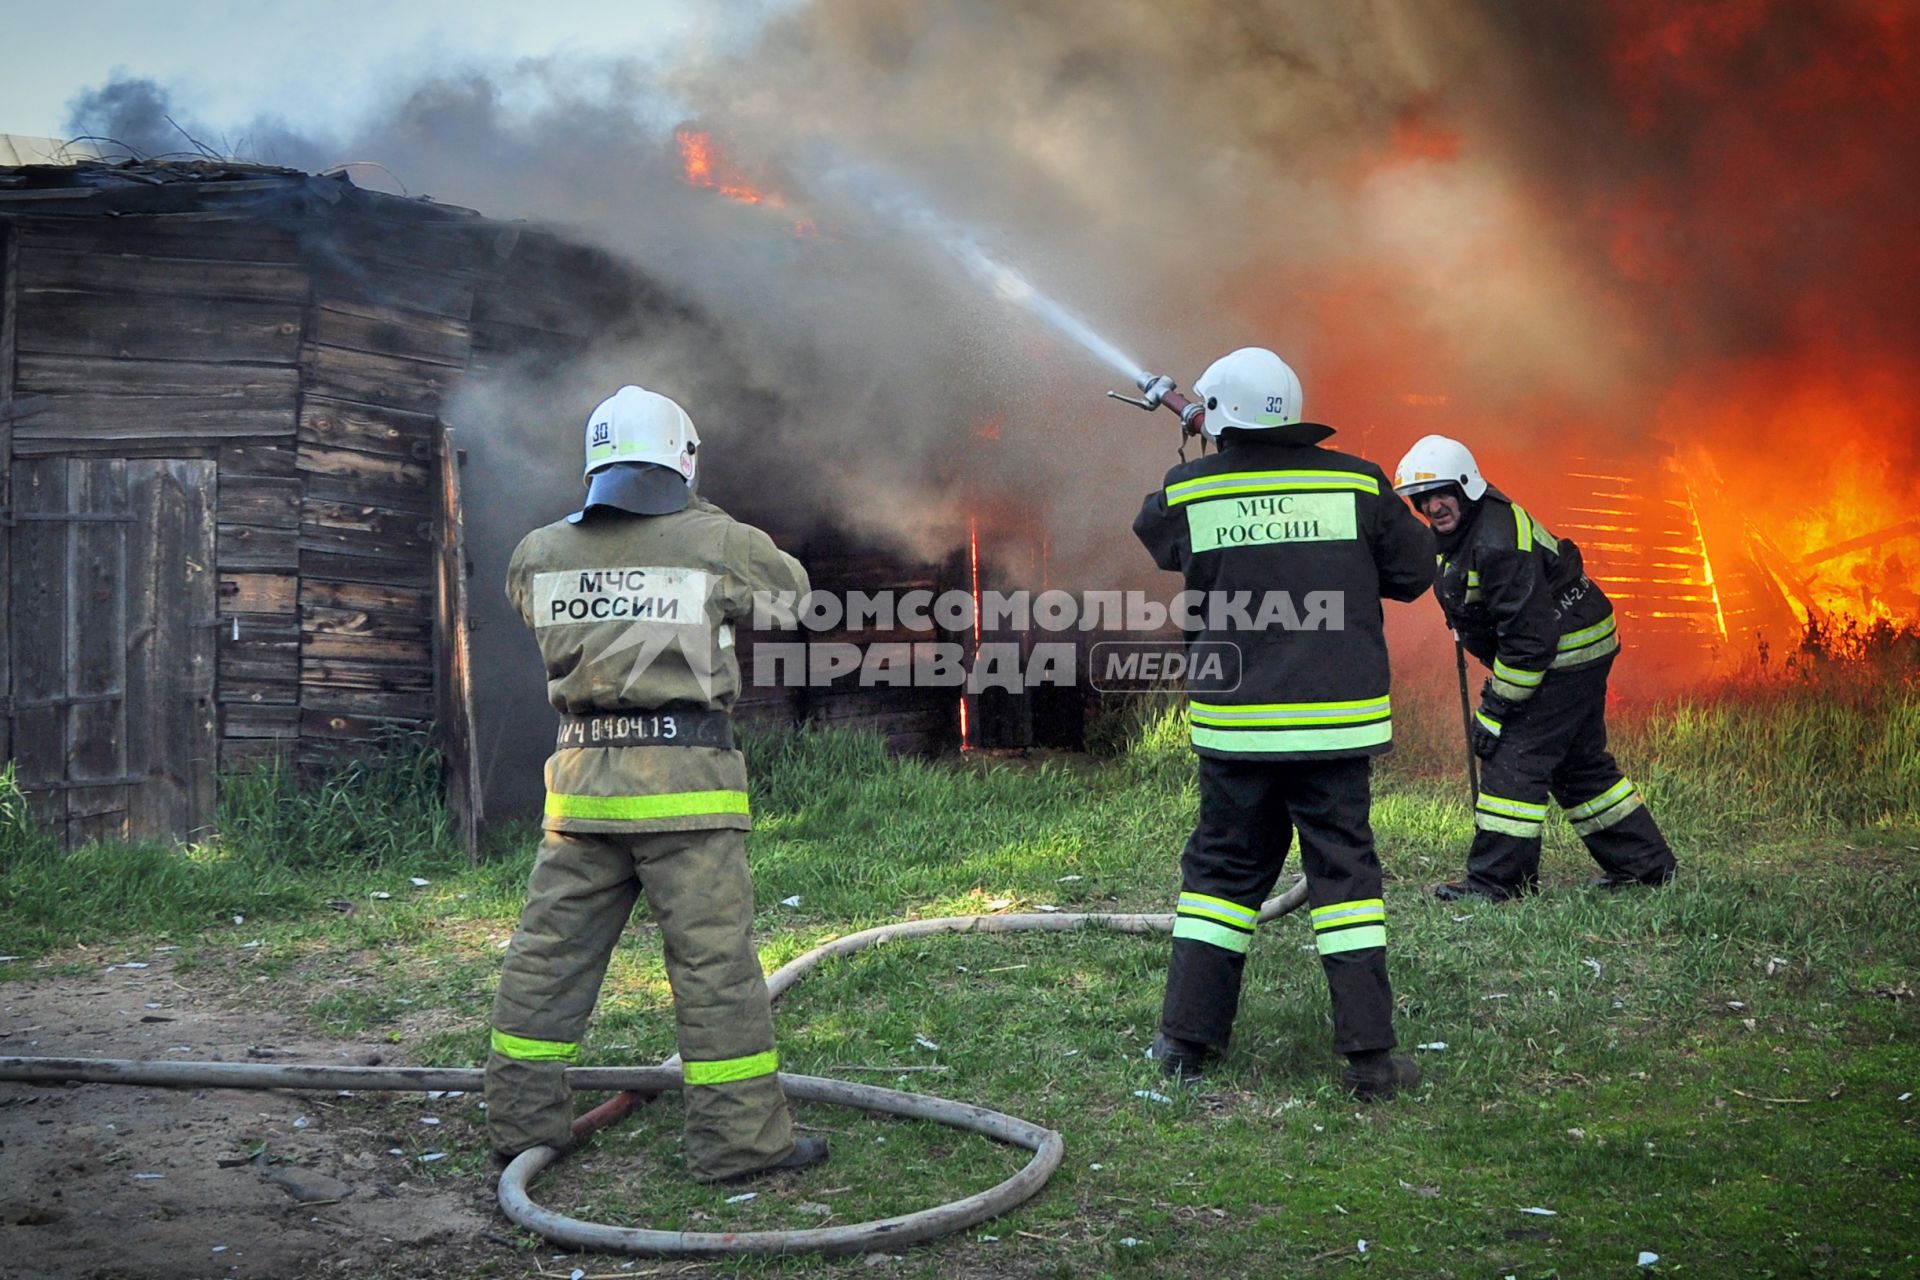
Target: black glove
<point>1494,714</point>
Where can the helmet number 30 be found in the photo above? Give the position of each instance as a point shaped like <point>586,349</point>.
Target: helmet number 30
<point>1276,404</point>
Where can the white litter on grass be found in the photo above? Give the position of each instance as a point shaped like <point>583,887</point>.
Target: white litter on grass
<point>219,1248</point>
<point>989,1239</point>
<point>417,882</point>
<point>1151,1096</point>
<point>1775,964</point>
<point>1736,1005</point>
<point>302,1123</point>
<point>429,1119</point>
<point>1538,1212</point>
<point>239,919</point>
<point>1646,1259</point>
<point>395,1151</point>
<point>1096,1167</point>
<point>1903,1097</point>
<point>1000,904</point>
<point>926,1044</point>
<point>432,1156</point>
<point>576,1274</point>
<point>1498,995</point>
<point>794,901</point>
<point>248,946</point>
<point>1592,964</point>
<point>379,896</point>
<point>4,959</point>
<point>1360,1245</point>
<point>1128,1242</point>
<point>148,1177</point>
<point>742,1198</point>
<point>1061,880</point>
<point>1433,1046</point>
<point>1049,908</point>
<point>1340,1208</point>
<point>1074,1053</point>
<point>131,964</point>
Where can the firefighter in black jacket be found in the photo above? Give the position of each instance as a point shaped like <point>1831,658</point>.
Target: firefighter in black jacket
<point>1292,548</point>
<point>1519,601</point>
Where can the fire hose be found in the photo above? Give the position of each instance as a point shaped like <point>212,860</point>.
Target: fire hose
<point>641,1083</point>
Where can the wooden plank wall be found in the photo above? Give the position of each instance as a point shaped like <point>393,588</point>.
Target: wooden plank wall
<point>386,345</point>
<point>453,666</point>
<point>9,271</point>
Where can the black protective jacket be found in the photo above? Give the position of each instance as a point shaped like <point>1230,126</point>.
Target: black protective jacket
<point>1519,598</point>
<point>1293,547</point>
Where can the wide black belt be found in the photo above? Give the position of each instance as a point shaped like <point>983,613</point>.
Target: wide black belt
<point>695,728</point>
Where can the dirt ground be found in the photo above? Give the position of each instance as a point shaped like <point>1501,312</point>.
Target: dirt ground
<point>106,1181</point>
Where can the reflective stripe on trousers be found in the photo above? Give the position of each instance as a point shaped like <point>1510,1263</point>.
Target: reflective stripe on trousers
<point>1350,926</point>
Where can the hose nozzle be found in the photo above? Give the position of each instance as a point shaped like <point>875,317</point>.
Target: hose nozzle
<point>1157,389</point>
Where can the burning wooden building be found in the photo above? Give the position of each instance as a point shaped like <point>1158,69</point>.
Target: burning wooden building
<point>231,522</point>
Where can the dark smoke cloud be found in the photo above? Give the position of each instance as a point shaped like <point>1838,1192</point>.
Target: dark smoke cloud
<point>1511,223</point>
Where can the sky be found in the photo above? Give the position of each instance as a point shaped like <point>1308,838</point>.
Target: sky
<point>320,64</point>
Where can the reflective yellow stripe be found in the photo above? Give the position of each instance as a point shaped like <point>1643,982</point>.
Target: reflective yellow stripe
<point>511,1046</point>
<point>1588,635</point>
<point>1240,483</point>
<point>1517,808</point>
<point>1219,909</point>
<point>1611,814</point>
<point>1506,826</point>
<point>1488,723</point>
<point>1358,911</point>
<point>728,1070</point>
<point>681,804</point>
<point>1372,935</point>
<point>1284,714</point>
<point>1517,675</point>
<point>1611,796</point>
<point>1600,648</point>
<point>1292,741</point>
<point>1522,528</point>
<point>1511,692</point>
<point>1217,935</point>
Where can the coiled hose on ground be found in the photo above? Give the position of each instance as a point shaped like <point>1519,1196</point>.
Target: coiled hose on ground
<point>638,1083</point>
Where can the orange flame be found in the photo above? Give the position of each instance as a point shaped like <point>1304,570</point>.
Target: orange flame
<point>702,167</point>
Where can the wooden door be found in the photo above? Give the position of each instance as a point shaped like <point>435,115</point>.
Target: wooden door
<point>111,714</point>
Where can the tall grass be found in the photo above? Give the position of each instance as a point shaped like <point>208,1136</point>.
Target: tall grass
<point>380,808</point>
<point>283,846</point>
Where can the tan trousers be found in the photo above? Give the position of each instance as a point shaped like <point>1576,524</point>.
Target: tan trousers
<point>582,890</point>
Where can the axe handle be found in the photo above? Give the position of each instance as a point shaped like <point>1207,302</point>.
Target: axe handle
<point>1466,717</point>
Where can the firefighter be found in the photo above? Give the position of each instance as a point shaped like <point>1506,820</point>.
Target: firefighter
<point>633,600</point>
<point>1307,541</point>
<point>1519,601</point>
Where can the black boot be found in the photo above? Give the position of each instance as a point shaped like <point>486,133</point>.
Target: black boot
<point>1621,880</point>
<point>1374,1075</point>
<point>806,1152</point>
<point>1184,1060</point>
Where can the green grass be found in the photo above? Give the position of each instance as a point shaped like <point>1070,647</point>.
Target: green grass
<point>1711,1072</point>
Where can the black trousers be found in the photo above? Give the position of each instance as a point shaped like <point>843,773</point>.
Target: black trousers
<point>1248,812</point>
<point>1557,746</point>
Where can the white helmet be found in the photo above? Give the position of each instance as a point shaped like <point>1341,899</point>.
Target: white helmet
<point>1251,389</point>
<point>642,427</point>
<point>1435,462</point>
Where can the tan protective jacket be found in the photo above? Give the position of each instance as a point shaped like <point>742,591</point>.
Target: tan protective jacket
<point>636,613</point>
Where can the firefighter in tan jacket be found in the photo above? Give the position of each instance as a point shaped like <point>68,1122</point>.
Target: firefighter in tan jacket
<point>633,600</point>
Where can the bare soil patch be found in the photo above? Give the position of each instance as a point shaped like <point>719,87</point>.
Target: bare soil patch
<point>106,1181</point>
